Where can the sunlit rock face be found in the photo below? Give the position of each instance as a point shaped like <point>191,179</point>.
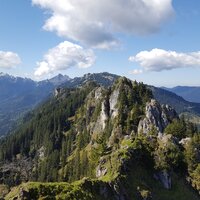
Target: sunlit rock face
<point>156,115</point>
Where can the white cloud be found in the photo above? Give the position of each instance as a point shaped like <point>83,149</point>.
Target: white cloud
<point>64,56</point>
<point>136,71</point>
<point>9,59</point>
<point>97,22</point>
<point>159,60</point>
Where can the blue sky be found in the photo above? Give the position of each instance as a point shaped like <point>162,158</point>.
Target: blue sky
<point>158,45</point>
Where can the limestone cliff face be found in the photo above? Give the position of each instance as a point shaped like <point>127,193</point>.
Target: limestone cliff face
<point>113,103</point>
<point>107,109</point>
<point>92,104</point>
<point>156,116</point>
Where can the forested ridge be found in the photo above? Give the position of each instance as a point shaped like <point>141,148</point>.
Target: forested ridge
<point>109,135</point>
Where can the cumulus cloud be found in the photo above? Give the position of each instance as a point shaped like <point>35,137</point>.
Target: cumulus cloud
<point>64,56</point>
<point>159,60</point>
<point>9,59</point>
<point>96,23</point>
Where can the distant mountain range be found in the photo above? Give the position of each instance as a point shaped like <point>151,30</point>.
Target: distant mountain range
<point>58,80</point>
<point>178,102</point>
<point>19,95</point>
<point>191,94</point>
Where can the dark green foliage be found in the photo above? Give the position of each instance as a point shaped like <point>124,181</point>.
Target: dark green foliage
<point>100,148</point>
<point>192,158</point>
<point>192,152</point>
<point>144,147</point>
<point>181,128</point>
<point>177,128</point>
<point>132,97</point>
<point>167,156</point>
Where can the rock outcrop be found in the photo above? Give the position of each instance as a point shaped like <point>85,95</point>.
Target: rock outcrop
<point>156,116</point>
<point>113,103</point>
<point>108,108</point>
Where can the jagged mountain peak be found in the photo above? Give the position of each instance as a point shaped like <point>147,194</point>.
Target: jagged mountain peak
<point>59,79</point>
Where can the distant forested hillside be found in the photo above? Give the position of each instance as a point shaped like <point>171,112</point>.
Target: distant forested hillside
<point>191,94</point>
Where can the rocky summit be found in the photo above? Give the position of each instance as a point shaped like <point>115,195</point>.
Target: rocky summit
<point>157,116</point>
